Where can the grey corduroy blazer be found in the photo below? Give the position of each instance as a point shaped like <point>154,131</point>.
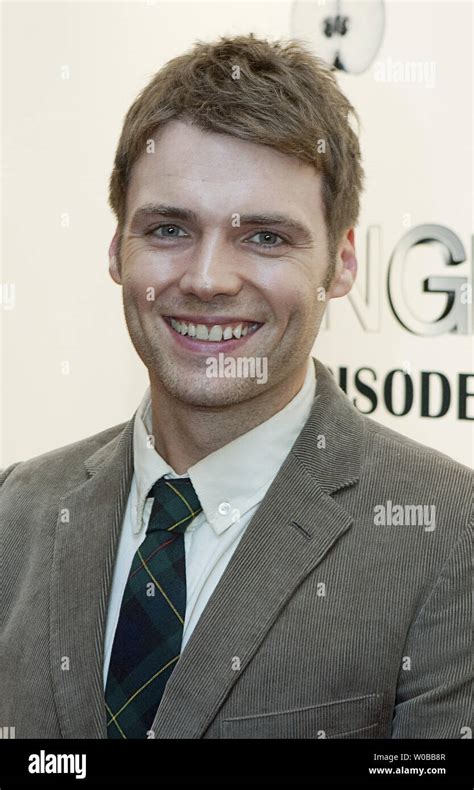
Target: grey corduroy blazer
<point>325,624</point>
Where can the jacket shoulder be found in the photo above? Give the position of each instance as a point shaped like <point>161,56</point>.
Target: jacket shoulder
<point>397,445</point>
<point>61,463</point>
<point>402,470</point>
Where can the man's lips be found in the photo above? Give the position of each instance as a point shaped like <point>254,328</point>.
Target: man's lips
<point>210,333</point>
<point>211,320</point>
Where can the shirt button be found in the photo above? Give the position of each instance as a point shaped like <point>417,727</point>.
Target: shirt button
<point>224,508</point>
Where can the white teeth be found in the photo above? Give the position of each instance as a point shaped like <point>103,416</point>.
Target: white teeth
<point>215,333</point>
<point>202,332</point>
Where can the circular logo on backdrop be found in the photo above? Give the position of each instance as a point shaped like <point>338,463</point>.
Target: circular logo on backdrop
<point>346,34</point>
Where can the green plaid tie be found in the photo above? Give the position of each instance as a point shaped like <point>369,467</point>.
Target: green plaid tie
<point>147,642</point>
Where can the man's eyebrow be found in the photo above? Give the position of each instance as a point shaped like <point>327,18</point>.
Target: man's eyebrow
<point>275,219</point>
<point>151,209</point>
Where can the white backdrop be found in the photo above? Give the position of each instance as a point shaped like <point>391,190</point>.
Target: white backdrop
<point>70,70</point>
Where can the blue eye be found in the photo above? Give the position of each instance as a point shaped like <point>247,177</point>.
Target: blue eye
<point>268,235</point>
<point>167,226</point>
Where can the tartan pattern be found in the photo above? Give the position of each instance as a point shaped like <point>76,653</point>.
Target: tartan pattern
<point>147,641</point>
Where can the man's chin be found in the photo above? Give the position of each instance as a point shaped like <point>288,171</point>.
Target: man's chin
<point>212,392</point>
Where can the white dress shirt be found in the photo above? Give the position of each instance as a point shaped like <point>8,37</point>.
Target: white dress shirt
<point>230,483</point>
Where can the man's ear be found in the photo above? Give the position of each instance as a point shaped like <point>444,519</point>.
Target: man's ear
<point>114,259</point>
<point>346,267</point>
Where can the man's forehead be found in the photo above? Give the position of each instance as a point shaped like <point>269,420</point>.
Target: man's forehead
<point>184,150</point>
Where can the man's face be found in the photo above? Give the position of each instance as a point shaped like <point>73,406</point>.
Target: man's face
<point>213,263</point>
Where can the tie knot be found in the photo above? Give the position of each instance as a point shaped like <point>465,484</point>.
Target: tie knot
<point>175,504</point>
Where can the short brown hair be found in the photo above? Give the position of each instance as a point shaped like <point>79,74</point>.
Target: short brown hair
<point>274,93</point>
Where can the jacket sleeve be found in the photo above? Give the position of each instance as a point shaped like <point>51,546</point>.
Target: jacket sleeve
<point>434,685</point>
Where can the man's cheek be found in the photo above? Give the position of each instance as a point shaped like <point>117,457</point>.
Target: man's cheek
<point>290,303</point>
<point>142,293</point>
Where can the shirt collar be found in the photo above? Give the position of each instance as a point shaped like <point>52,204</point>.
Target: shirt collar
<point>234,478</point>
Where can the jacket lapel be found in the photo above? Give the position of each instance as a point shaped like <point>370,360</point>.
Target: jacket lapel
<point>297,523</point>
<point>84,553</point>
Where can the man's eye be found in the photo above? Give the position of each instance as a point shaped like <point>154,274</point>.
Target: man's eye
<point>169,231</point>
<point>267,239</point>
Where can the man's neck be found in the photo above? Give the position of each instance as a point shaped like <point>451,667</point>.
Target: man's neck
<point>189,433</point>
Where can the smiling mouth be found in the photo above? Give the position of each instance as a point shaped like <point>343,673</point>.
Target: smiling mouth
<point>214,333</point>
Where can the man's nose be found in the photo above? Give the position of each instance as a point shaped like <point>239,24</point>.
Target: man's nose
<point>211,270</point>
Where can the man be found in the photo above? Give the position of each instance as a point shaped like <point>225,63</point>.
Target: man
<point>223,564</point>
